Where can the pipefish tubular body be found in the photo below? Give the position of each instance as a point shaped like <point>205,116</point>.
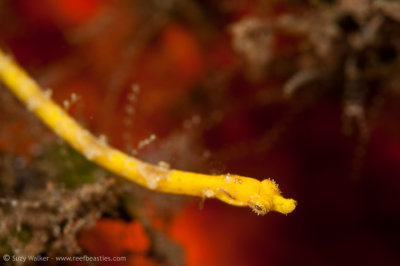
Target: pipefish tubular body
<point>260,196</point>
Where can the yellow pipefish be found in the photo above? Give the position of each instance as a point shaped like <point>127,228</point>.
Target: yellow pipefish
<point>261,196</point>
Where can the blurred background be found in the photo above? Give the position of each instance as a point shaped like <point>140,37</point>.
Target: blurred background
<point>304,92</point>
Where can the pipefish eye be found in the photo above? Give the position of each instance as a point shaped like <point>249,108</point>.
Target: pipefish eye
<point>260,210</point>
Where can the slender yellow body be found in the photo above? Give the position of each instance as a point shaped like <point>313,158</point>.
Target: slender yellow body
<point>261,196</point>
